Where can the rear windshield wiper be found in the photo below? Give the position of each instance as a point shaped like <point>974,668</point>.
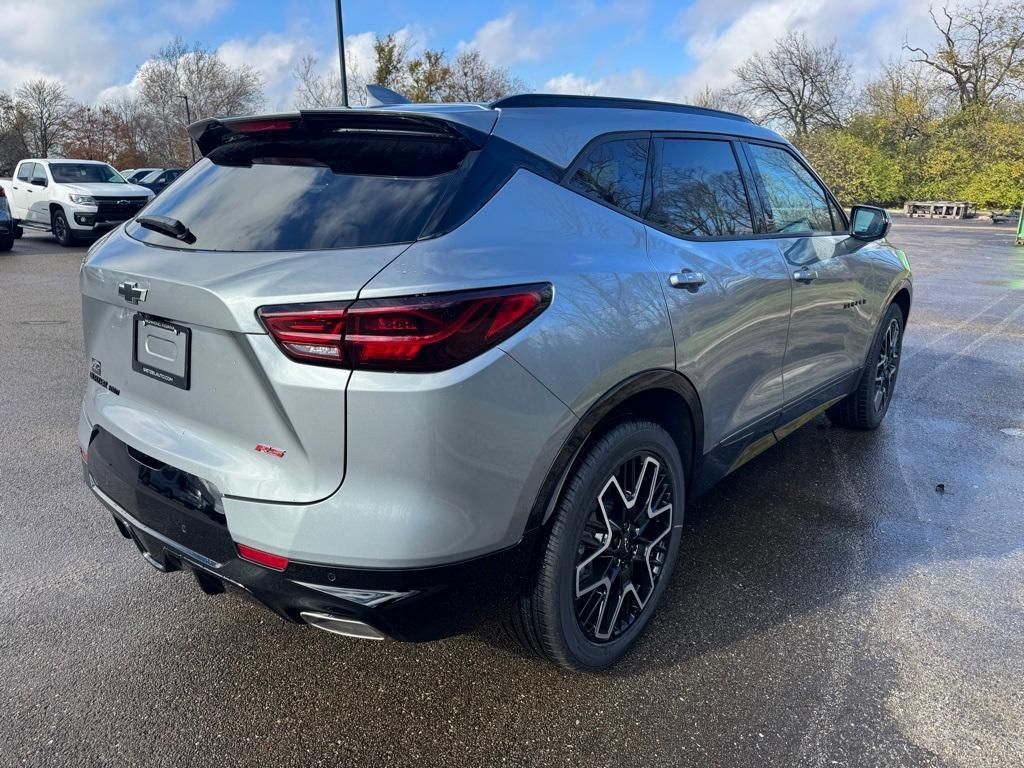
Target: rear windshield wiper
<point>165,225</point>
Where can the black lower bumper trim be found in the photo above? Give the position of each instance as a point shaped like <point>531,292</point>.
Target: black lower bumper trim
<point>182,531</point>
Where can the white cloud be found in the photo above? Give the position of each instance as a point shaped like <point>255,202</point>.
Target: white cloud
<point>507,40</point>
<point>71,42</point>
<point>720,34</point>
<point>192,13</point>
<point>511,39</point>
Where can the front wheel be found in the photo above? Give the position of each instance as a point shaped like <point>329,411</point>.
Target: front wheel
<point>867,405</point>
<point>60,228</point>
<point>610,552</point>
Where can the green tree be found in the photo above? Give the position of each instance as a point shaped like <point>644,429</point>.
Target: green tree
<point>856,171</point>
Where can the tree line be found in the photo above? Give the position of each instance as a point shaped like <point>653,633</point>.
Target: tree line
<point>183,83</point>
<point>942,122</point>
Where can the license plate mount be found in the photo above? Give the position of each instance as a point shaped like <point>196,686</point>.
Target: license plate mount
<point>162,350</point>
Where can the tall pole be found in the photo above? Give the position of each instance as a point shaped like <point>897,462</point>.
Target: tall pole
<point>188,118</point>
<point>341,54</point>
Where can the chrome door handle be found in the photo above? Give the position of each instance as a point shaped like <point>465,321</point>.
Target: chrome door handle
<point>805,275</point>
<point>691,281</point>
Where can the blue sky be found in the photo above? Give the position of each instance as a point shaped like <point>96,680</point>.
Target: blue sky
<point>649,48</point>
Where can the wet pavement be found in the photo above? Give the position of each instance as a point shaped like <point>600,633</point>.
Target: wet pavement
<point>845,599</point>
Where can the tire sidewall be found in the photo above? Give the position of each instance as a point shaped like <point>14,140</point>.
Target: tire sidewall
<point>894,312</point>
<point>68,238</point>
<point>616,446</point>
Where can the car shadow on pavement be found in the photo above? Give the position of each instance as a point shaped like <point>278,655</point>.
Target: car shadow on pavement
<point>831,514</point>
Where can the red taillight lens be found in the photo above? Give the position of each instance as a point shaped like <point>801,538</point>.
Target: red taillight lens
<point>309,333</point>
<point>421,333</point>
<point>261,126</point>
<point>2,193</point>
<point>267,560</point>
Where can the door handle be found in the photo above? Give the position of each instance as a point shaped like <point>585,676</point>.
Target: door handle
<point>691,281</point>
<point>805,275</point>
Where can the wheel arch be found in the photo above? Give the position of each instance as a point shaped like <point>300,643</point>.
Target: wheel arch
<point>902,299</point>
<point>664,396</point>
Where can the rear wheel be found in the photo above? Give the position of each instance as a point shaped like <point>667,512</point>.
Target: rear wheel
<point>867,405</point>
<point>18,230</point>
<point>60,228</point>
<point>6,242</point>
<point>610,552</point>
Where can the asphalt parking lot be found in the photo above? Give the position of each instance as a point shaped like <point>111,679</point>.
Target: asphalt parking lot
<point>845,599</point>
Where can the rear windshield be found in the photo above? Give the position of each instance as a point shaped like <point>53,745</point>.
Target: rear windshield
<point>84,173</point>
<point>310,193</point>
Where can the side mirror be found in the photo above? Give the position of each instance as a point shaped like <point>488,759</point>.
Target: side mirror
<point>869,223</point>
<point>38,182</point>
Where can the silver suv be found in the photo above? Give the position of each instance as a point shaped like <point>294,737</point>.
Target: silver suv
<point>383,369</point>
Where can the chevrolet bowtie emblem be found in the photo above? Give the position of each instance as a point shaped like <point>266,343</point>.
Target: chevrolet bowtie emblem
<point>131,292</point>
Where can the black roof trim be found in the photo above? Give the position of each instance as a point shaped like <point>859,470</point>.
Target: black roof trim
<point>528,100</point>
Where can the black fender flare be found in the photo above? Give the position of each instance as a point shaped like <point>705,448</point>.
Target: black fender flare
<point>655,379</point>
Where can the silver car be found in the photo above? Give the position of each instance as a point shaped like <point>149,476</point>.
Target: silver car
<point>386,369</point>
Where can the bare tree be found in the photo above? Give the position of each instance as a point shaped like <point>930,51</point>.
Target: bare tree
<point>135,127</point>
<point>213,88</point>
<point>12,135</point>
<point>473,79</point>
<point>44,106</point>
<point>720,98</point>
<point>904,97</point>
<point>316,90</point>
<point>981,53</point>
<point>796,84</point>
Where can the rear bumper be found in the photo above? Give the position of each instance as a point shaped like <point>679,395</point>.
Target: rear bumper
<point>173,519</point>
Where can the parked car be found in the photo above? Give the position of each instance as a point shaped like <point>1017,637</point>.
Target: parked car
<point>71,198</point>
<point>6,223</point>
<point>156,181</point>
<point>133,175</point>
<point>385,368</point>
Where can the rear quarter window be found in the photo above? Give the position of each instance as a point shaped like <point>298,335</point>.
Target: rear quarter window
<point>613,172</point>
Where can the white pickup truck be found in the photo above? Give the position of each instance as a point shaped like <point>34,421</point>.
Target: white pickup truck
<point>71,198</point>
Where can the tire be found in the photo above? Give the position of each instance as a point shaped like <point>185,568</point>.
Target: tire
<point>61,229</point>
<point>6,242</point>
<point>18,230</point>
<point>590,561</point>
<point>866,406</point>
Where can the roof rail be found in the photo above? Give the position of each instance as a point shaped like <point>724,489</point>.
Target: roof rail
<point>528,100</point>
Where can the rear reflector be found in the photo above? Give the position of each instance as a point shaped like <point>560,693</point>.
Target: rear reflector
<point>418,333</point>
<point>267,560</point>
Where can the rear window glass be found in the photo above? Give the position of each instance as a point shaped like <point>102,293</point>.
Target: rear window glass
<point>340,191</point>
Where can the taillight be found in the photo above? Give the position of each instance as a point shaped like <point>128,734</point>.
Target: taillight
<point>308,333</point>
<point>261,126</point>
<point>2,193</point>
<point>419,333</point>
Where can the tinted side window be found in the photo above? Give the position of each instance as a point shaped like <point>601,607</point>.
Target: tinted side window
<point>838,219</point>
<point>698,190</point>
<point>25,171</point>
<point>795,202</point>
<point>614,172</point>
<point>39,173</point>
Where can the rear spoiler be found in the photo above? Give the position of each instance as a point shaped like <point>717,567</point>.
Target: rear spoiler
<point>470,126</point>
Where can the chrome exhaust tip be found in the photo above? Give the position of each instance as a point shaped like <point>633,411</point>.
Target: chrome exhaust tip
<point>339,625</point>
